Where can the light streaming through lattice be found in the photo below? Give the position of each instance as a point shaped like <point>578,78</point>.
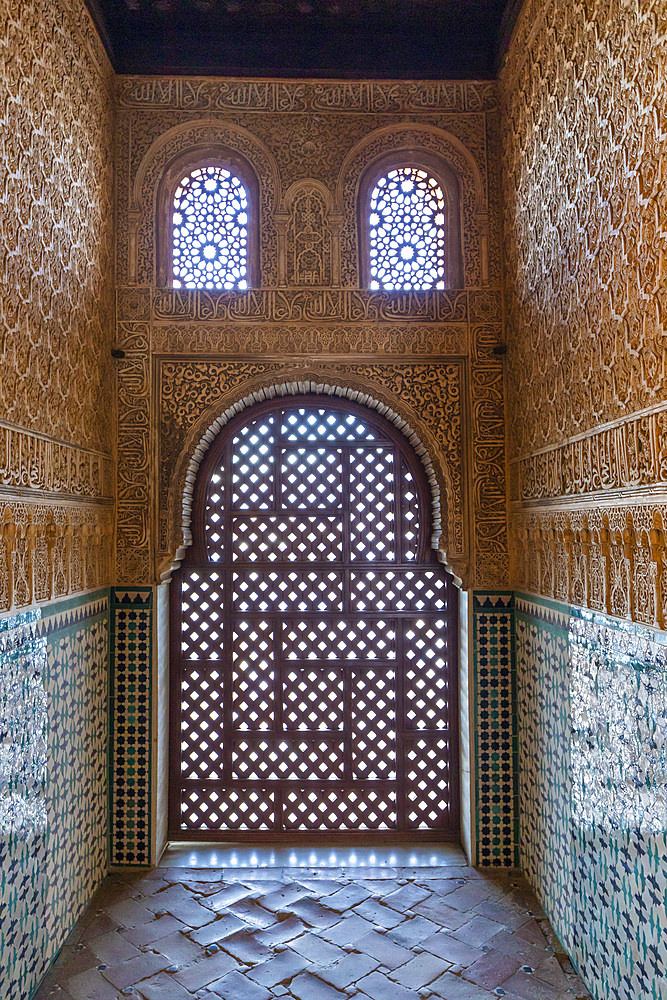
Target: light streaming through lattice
<point>315,689</point>
<point>407,231</point>
<point>210,230</point>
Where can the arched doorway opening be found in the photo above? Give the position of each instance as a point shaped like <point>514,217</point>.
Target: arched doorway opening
<point>314,668</point>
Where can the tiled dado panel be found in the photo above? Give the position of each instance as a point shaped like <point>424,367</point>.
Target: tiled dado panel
<point>592,708</point>
<point>494,729</point>
<point>53,781</point>
<point>131,719</point>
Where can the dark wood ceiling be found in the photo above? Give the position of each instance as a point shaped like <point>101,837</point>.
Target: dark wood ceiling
<point>427,39</point>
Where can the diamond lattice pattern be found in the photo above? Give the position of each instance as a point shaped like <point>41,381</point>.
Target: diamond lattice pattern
<point>202,723</point>
<point>374,724</point>
<point>340,639</point>
<point>372,504</point>
<point>314,677</point>
<point>253,675</point>
<point>287,539</point>
<point>201,615</point>
<point>253,478</point>
<point>426,674</point>
<point>311,478</point>
<point>321,424</point>
<point>215,505</point>
<point>346,809</point>
<point>428,777</point>
<point>313,699</point>
<point>211,808</point>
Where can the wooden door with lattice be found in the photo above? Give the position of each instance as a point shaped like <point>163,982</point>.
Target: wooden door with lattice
<point>314,636</point>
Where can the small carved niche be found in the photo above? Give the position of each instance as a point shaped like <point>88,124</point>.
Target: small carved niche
<point>309,244</point>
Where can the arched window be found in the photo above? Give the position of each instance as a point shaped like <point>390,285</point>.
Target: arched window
<point>210,230</point>
<point>410,223</point>
<point>314,665</point>
<point>407,231</point>
<point>208,219</point>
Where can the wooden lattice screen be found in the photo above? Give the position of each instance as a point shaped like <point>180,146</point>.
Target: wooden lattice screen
<point>314,666</point>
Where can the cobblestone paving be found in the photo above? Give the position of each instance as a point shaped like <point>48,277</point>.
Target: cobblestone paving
<point>313,934</point>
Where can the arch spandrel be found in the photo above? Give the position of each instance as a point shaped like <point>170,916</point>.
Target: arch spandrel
<point>446,510</point>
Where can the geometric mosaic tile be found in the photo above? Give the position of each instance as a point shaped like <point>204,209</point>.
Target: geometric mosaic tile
<point>592,708</point>
<point>50,872</point>
<point>130,750</point>
<point>495,734</point>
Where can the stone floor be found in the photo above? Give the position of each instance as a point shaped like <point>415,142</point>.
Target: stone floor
<point>383,932</point>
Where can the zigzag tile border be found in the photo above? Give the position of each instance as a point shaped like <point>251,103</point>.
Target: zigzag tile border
<point>131,722</point>
<point>69,614</point>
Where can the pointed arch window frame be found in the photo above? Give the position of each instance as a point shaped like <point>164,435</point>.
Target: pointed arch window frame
<point>183,166</point>
<point>436,167</point>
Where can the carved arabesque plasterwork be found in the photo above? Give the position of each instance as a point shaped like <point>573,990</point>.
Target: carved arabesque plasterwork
<point>629,454</point>
<point>133,304</point>
<point>188,353</point>
<point>145,225</point>
<point>57,477</point>
<point>492,224</point>
<point>488,441</point>
<point>585,212</point>
<point>289,148</point>
<point>135,490</point>
<point>410,138</point>
<point>262,339</point>
<point>406,324</point>
<point>370,97</point>
<point>316,146</point>
<point>585,209</point>
<point>610,560</point>
<point>309,251</point>
<point>298,305</point>
<point>194,393</point>
<point>304,145</point>
<point>56,227</point>
<point>36,462</point>
<point>52,551</point>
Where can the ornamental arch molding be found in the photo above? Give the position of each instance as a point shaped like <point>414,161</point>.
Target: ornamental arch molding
<point>211,422</point>
<point>415,142</point>
<point>191,142</point>
<point>307,184</point>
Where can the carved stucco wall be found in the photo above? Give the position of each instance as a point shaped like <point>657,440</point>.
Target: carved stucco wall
<point>584,95</point>
<point>56,305</point>
<point>56,470</point>
<point>189,356</point>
